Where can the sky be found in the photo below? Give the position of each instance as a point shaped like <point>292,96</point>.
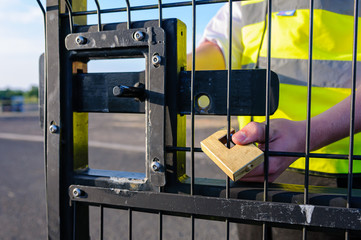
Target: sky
<point>22,36</point>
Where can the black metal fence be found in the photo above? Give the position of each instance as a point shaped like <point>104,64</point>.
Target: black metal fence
<point>166,93</point>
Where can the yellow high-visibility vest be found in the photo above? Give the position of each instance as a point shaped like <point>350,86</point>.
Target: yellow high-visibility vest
<point>331,71</point>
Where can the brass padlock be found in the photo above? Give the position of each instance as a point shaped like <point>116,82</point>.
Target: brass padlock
<point>236,161</point>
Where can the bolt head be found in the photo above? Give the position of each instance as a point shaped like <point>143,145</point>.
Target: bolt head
<point>155,166</point>
<point>156,60</point>
<point>80,40</point>
<point>138,36</point>
<point>117,91</point>
<point>76,192</point>
<point>53,128</point>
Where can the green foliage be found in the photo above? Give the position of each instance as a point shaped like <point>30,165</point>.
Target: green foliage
<point>32,93</point>
<point>8,93</point>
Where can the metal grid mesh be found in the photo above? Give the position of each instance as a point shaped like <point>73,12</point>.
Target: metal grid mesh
<point>192,149</point>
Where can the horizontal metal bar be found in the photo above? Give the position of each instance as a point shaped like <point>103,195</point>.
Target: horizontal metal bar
<point>248,89</point>
<point>275,153</point>
<point>113,179</point>
<point>286,193</point>
<point>273,212</point>
<point>94,92</point>
<point>147,7</point>
<point>313,155</point>
<point>182,149</point>
<point>110,39</point>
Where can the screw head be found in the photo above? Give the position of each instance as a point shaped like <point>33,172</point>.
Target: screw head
<point>155,166</point>
<point>80,40</point>
<point>53,128</point>
<point>156,60</point>
<point>138,36</point>
<point>76,192</point>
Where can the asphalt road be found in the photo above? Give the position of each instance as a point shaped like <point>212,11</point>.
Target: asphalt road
<point>116,142</point>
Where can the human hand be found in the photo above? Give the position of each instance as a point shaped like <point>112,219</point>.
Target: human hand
<point>284,135</point>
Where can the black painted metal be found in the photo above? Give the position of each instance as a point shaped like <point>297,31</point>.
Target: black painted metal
<point>170,93</point>
<point>94,92</point>
<point>235,209</point>
<point>248,88</point>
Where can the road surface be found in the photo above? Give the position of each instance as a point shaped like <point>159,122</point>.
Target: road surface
<point>117,143</point>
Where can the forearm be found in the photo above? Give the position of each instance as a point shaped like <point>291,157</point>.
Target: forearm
<point>208,57</point>
<point>334,124</point>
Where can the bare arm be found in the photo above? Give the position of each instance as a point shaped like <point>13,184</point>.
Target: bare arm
<point>208,57</point>
<point>286,135</point>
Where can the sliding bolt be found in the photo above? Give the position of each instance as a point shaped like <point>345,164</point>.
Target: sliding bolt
<point>80,40</point>
<point>53,128</point>
<point>138,36</point>
<point>156,60</point>
<point>77,192</point>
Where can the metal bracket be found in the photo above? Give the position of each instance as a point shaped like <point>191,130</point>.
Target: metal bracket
<point>146,41</point>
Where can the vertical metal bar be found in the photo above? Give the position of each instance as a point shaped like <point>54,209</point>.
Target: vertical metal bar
<point>308,124</point>
<point>74,219</point>
<point>101,228</point>
<point>352,111</point>
<point>130,225</point>
<point>229,77</point>
<point>53,114</point>
<point>99,16</point>
<point>128,14</point>
<point>160,12</point>
<point>45,84</point>
<point>192,102</point>
<point>160,225</point>
<point>71,23</point>
<point>42,9</point>
<point>78,130</point>
<point>266,232</point>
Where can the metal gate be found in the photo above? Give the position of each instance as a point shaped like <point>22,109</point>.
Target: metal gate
<point>166,94</point>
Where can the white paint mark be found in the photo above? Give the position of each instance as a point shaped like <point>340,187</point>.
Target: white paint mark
<point>116,39</point>
<point>117,146</point>
<point>116,190</point>
<point>126,180</point>
<point>308,211</point>
<point>37,138</point>
<point>22,137</point>
<point>103,37</point>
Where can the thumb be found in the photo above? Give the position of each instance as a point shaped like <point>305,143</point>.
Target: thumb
<point>252,132</point>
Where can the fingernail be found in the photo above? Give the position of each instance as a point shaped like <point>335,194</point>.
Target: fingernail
<point>241,136</point>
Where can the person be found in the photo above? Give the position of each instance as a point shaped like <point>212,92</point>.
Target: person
<point>331,82</point>
<point>331,79</point>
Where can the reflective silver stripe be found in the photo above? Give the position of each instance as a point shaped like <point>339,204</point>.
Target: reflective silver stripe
<point>253,13</point>
<point>337,6</point>
<point>326,73</point>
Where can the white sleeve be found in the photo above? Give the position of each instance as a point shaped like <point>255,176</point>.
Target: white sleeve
<point>217,31</point>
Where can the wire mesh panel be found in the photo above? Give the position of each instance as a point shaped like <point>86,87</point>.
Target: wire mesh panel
<point>181,103</point>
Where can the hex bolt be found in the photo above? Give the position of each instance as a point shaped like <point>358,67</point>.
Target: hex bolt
<point>156,60</point>
<point>80,40</point>
<point>156,166</point>
<point>77,192</point>
<point>138,36</point>
<point>53,128</point>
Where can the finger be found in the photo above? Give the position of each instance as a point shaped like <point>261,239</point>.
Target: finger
<point>252,132</point>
